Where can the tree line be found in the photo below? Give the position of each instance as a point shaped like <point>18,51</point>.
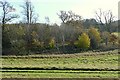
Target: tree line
<point>73,35</point>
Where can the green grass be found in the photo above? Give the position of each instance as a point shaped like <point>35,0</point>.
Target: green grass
<point>77,61</point>
<point>59,75</point>
<point>82,62</point>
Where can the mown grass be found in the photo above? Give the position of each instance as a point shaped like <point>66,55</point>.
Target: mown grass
<point>77,65</point>
<point>60,74</point>
<point>80,61</point>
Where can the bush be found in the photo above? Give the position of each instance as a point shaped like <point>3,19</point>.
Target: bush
<point>83,41</point>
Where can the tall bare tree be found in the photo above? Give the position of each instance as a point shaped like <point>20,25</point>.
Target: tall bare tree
<point>63,16</point>
<point>30,17</point>
<point>105,17</point>
<point>99,16</point>
<point>28,11</point>
<point>68,18</point>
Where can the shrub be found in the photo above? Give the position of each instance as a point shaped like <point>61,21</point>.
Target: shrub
<point>83,41</point>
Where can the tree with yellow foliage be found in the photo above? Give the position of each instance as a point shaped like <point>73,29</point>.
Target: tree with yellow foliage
<point>83,41</point>
<point>95,38</point>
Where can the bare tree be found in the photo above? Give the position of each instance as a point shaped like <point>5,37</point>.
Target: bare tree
<point>68,18</point>
<point>99,16</point>
<point>108,16</point>
<point>73,16</point>
<point>29,12</point>
<point>6,16</point>
<point>63,16</point>
<point>105,17</point>
<point>30,17</point>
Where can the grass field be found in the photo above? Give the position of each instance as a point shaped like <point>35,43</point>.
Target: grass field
<point>79,65</point>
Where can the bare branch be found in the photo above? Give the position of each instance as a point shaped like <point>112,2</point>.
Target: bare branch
<point>7,9</point>
<point>99,16</point>
<point>10,18</point>
<point>28,11</point>
<point>63,16</point>
<point>68,16</point>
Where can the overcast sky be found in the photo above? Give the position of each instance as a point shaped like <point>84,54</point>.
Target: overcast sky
<point>85,8</point>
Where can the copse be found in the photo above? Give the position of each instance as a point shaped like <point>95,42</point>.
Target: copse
<point>83,41</point>
<point>95,38</point>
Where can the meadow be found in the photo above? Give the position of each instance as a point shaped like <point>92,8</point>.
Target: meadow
<point>78,65</point>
